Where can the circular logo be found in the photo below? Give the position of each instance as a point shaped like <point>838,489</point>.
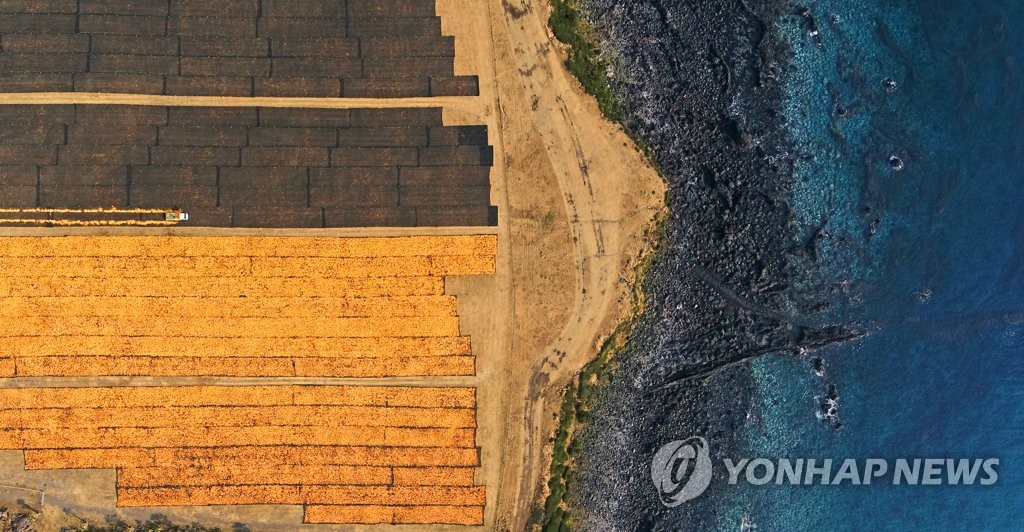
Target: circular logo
<point>681,470</point>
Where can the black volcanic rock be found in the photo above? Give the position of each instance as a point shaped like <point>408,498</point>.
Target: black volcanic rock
<point>699,82</point>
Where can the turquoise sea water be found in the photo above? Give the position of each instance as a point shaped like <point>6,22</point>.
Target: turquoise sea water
<point>939,285</point>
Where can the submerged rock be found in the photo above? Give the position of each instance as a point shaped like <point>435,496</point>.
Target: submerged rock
<point>818,364</point>
<point>896,163</point>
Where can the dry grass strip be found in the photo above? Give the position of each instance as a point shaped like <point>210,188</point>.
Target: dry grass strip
<point>46,284</point>
<point>177,396</point>
<point>57,437</point>
<point>262,473</point>
<point>253,473</point>
<point>187,418</point>
<point>230,307</point>
<point>178,366</point>
<point>203,266</point>
<point>433,476</point>
<point>186,326</point>
<point>387,367</point>
<point>246,455</point>
<point>161,346</point>
<point>293,494</point>
<point>396,515</point>
<point>248,306</point>
<point>175,247</point>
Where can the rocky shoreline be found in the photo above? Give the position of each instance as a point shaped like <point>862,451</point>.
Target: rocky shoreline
<point>699,84</point>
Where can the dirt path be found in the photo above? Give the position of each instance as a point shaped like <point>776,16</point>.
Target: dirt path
<point>609,195</point>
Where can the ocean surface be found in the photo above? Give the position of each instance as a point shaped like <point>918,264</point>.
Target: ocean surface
<point>904,124</point>
<point>939,286</point>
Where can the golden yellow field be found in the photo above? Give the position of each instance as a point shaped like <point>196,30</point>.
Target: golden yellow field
<point>337,446</point>
<point>248,307</point>
<point>235,306</point>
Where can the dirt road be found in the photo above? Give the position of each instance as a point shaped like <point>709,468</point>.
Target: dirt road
<point>609,196</point>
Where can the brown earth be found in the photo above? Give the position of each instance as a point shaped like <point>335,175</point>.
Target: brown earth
<point>576,188</point>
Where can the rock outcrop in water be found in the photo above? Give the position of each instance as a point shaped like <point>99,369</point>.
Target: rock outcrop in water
<point>700,85</point>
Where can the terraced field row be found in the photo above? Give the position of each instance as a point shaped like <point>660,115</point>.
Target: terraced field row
<point>398,515</point>
<point>260,167</point>
<point>206,366</point>
<point>243,307</point>
<point>251,366</point>
<point>46,284</point>
<point>148,397</point>
<point>214,347</point>
<point>282,48</point>
<point>248,307</point>
<point>200,267</point>
<point>246,246</point>
<point>280,307</point>
<point>349,453</point>
<point>236,327</point>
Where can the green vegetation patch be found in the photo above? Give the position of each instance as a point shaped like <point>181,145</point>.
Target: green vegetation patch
<point>581,396</point>
<point>575,415</point>
<point>585,61</point>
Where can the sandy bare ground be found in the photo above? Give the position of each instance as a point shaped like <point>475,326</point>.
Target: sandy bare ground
<point>610,196</point>
<point>574,198</point>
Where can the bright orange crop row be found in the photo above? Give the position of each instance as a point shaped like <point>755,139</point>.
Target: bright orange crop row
<point>22,398</point>
<point>182,325</point>
<point>252,473</point>
<point>172,396</point>
<point>58,437</point>
<point>129,366</point>
<point>248,306</point>
<point>398,515</point>
<point>158,346</point>
<point>257,473</point>
<point>247,246</point>
<point>318,455</point>
<point>177,366</point>
<point>433,476</point>
<point>452,366</point>
<point>188,417</point>
<point>48,284</point>
<point>241,456</point>
<point>385,395</point>
<point>229,307</point>
<point>283,494</point>
<point>199,267</point>
<point>415,437</point>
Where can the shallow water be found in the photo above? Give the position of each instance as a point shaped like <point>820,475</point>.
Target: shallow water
<point>939,285</point>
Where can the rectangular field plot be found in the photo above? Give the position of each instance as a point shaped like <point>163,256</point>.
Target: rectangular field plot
<point>305,48</point>
<point>348,454</point>
<point>197,307</point>
<point>235,306</point>
<point>248,166</point>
